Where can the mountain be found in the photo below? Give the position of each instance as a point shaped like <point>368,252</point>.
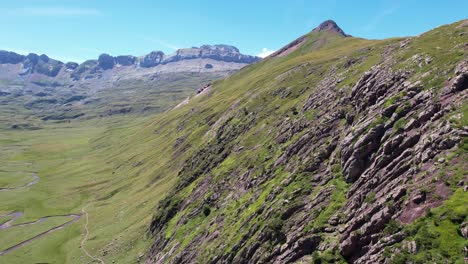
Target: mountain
<point>335,149</point>
<point>52,90</point>
<point>216,54</point>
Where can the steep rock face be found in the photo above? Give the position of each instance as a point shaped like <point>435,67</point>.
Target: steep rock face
<point>152,59</point>
<point>32,63</point>
<point>216,52</point>
<point>125,60</point>
<point>10,57</point>
<point>42,64</point>
<point>336,157</point>
<point>222,53</point>
<point>207,58</point>
<point>106,61</point>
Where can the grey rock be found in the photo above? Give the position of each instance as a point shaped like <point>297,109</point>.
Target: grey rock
<point>106,61</point>
<point>152,59</point>
<point>125,60</point>
<point>10,57</point>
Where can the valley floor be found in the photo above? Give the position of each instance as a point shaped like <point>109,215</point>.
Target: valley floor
<point>64,199</point>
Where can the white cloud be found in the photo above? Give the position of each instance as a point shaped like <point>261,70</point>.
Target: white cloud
<point>55,11</point>
<point>265,53</point>
<point>378,18</point>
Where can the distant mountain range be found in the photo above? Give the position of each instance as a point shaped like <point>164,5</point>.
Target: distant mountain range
<point>53,90</point>
<point>207,58</point>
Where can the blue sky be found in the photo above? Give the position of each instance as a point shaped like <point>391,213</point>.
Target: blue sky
<point>76,30</point>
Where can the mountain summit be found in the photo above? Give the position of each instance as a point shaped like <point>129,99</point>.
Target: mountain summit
<point>330,26</point>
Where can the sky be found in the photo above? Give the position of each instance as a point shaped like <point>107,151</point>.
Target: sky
<point>77,30</point>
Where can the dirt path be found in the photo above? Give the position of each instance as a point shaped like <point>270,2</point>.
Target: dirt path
<point>83,211</point>
<point>76,217</point>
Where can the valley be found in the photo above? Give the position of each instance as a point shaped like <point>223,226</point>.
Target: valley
<point>87,177</point>
<point>62,165</point>
<point>334,149</point>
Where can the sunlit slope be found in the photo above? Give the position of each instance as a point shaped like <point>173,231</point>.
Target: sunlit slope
<point>264,161</point>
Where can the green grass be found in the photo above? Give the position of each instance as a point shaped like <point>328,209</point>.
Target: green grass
<point>5,219</point>
<point>14,179</point>
<point>437,235</point>
<point>78,165</point>
<point>15,235</point>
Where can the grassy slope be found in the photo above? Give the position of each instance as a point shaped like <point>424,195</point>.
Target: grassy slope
<point>120,168</point>
<point>78,165</point>
<point>251,92</point>
<point>252,89</point>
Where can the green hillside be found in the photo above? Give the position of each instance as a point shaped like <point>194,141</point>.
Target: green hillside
<point>343,150</point>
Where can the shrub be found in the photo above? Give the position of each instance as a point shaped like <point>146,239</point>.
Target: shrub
<point>206,210</point>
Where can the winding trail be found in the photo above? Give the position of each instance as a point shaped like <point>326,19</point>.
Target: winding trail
<point>83,211</point>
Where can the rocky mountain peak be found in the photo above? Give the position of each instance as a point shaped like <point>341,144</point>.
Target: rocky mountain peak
<point>330,26</point>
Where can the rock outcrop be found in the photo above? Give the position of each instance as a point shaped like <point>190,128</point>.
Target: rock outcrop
<point>125,60</point>
<point>32,63</point>
<point>106,61</point>
<point>152,59</point>
<point>10,57</point>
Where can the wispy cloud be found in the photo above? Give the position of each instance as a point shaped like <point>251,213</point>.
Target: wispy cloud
<point>54,11</point>
<point>379,17</point>
<point>265,52</point>
<point>162,43</point>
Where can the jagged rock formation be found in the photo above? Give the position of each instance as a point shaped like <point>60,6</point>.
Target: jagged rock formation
<point>34,63</point>
<point>224,53</point>
<point>336,153</point>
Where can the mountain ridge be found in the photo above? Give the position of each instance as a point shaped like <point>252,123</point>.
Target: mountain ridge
<point>42,64</point>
